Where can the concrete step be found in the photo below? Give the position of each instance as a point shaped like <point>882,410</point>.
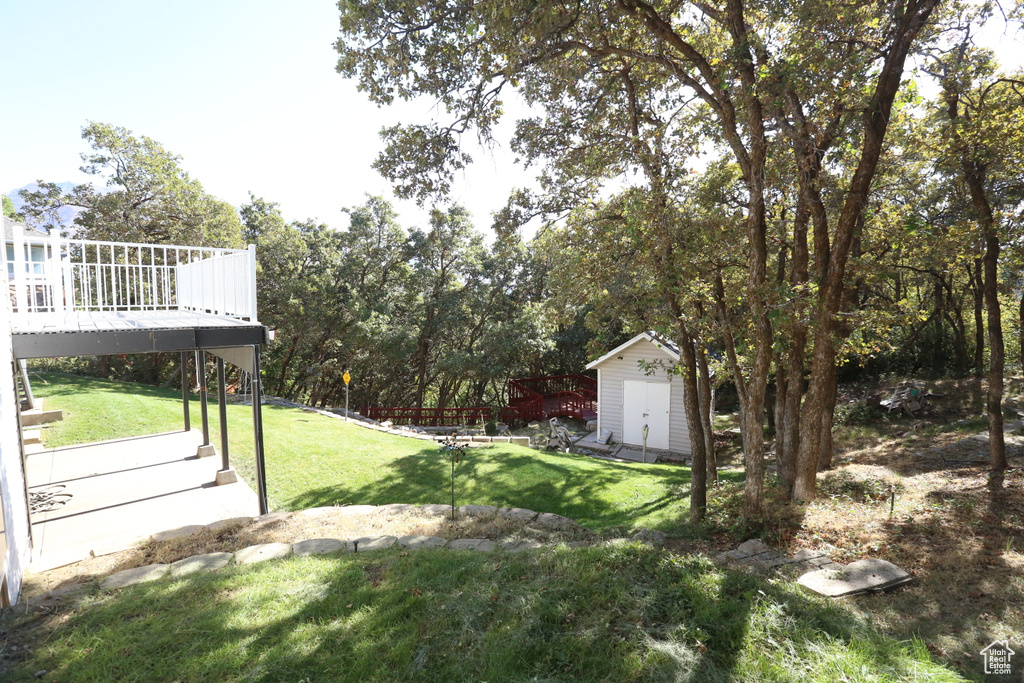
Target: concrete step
<point>31,418</point>
<point>31,436</point>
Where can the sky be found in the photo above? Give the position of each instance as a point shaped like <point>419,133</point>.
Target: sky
<point>244,91</point>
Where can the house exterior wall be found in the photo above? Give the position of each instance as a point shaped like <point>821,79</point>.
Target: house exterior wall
<point>17,550</point>
<point>610,377</point>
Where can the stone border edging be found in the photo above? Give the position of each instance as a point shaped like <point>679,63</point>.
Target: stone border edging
<point>367,423</point>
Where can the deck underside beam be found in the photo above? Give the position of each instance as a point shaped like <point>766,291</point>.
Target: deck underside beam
<point>146,340</point>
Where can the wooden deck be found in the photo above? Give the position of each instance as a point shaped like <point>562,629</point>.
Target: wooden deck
<point>113,321</point>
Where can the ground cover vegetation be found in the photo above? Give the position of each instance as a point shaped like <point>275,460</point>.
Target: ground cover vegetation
<point>622,613</point>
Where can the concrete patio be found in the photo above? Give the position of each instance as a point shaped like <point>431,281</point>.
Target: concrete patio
<point>124,491</point>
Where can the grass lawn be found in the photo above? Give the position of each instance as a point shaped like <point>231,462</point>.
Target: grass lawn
<point>314,460</point>
<point>607,613</point>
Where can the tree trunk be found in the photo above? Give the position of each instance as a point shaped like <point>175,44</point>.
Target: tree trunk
<point>706,396</point>
<point>1020,314</point>
<point>691,402</point>
<point>996,353</point>
<point>978,289</point>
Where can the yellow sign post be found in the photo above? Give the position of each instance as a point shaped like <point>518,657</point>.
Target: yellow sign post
<point>347,377</point>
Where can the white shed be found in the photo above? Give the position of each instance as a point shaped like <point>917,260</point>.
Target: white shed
<point>628,397</point>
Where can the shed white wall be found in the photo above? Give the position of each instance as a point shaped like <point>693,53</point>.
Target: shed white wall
<point>610,377</point>
<point>12,475</point>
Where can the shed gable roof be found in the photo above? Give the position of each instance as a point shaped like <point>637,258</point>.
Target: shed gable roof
<point>667,347</point>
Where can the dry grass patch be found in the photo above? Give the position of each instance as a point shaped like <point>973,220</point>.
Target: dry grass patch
<point>334,522</point>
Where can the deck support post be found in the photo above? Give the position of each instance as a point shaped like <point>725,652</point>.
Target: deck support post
<point>184,389</point>
<point>222,405</point>
<point>257,430</point>
<point>207,448</point>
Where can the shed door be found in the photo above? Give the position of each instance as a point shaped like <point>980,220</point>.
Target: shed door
<point>645,403</point>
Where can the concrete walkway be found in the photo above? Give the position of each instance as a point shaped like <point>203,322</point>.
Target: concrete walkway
<point>124,491</point>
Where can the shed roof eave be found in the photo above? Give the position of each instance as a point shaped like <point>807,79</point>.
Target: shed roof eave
<point>669,351</point>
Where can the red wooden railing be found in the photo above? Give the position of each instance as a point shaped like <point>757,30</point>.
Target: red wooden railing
<point>538,398</point>
<point>431,417</point>
<point>580,404</point>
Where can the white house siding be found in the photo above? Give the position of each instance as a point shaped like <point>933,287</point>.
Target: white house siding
<point>12,477</point>
<point>613,372</point>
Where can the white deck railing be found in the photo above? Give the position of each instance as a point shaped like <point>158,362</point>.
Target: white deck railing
<point>54,275</point>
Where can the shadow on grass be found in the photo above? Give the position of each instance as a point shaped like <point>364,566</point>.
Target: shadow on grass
<point>548,482</point>
<point>613,613</point>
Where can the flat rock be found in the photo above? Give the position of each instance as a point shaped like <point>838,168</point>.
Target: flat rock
<point>177,533</point>
<point>549,519</point>
<point>395,508</point>
<point>322,546</point>
<point>436,510</point>
<point>262,552</point>
<point>225,523</point>
<point>520,546</point>
<point>481,544</point>
<point>754,546</point>
<point>199,563</point>
<point>858,577</point>
<point>518,514</point>
<point>130,577</point>
<point>368,543</point>
<point>357,509</point>
<point>650,536</point>
<point>805,554</point>
<point>270,519</point>
<point>417,542</point>
<point>477,510</point>
<point>315,512</point>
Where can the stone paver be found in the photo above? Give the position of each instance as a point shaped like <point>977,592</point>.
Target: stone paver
<point>753,546</point>
<point>270,519</point>
<point>198,563</point>
<point>178,533</point>
<point>518,514</point>
<point>481,544</point>
<point>322,546</point>
<point>368,543</point>
<point>417,542</point>
<point>130,577</point>
<point>225,523</point>
<point>549,519</point>
<point>858,577</point>
<point>477,510</point>
<point>395,508</point>
<point>520,546</point>
<point>436,509</point>
<point>650,536</point>
<point>357,509</point>
<point>315,512</point>
<point>263,552</point>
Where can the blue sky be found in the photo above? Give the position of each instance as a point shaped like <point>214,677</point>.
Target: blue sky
<point>244,91</point>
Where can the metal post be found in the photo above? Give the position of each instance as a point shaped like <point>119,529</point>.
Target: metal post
<point>222,405</point>
<point>346,401</point>
<point>203,396</point>
<point>257,430</point>
<point>184,389</point>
